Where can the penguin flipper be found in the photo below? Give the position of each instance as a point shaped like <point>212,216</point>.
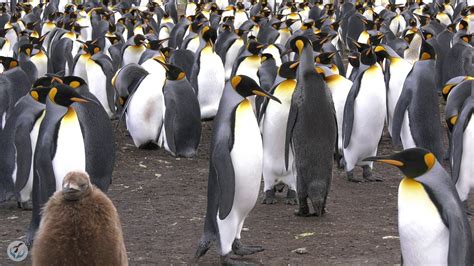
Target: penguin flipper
<point>132,90</point>
<point>386,77</point>
<point>170,115</point>
<point>399,114</point>
<point>348,119</point>
<point>23,158</point>
<point>222,163</point>
<point>457,138</point>
<point>289,130</point>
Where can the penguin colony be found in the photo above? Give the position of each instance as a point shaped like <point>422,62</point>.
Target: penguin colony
<point>291,87</point>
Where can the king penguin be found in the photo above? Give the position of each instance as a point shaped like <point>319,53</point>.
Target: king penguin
<point>433,227</point>
<point>274,118</point>
<point>312,118</point>
<point>235,170</point>
<point>416,119</point>
<point>364,117</point>
<point>182,118</point>
<point>133,49</point>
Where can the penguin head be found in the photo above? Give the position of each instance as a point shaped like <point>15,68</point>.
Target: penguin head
<point>8,62</point>
<point>173,72</point>
<point>265,57</point>
<point>65,95</point>
<point>375,39</point>
<point>299,43</point>
<point>412,162</point>
<point>354,59</point>
<point>324,58</point>
<point>209,35</point>
<point>155,44</point>
<point>73,81</point>
<point>246,86</point>
<point>26,49</point>
<point>427,51</point>
<point>40,93</point>
<point>90,47</point>
<point>288,70</point>
<point>367,57</point>
<point>466,38</point>
<point>254,47</point>
<point>76,185</point>
<point>139,39</point>
<point>381,53</point>
<point>450,84</point>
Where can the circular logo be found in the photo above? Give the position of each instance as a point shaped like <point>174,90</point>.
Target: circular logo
<point>17,251</point>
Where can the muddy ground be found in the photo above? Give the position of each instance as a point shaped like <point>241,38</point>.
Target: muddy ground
<point>161,201</point>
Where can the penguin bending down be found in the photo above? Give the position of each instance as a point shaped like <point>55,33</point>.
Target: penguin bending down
<point>235,170</point>
<point>274,118</point>
<point>364,117</point>
<point>70,138</point>
<point>433,227</point>
<point>416,117</point>
<point>97,228</point>
<point>182,117</point>
<point>311,119</point>
<point>463,150</point>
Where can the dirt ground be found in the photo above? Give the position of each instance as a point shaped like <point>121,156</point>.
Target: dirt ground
<point>161,201</point>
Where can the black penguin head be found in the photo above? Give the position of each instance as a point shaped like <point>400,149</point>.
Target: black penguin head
<point>73,81</point>
<point>76,185</point>
<point>265,57</point>
<point>450,84</point>
<point>246,86</point>
<point>156,44</point>
<point>466,38</point>
<point>324,58</point>
<point>299,43</point>
<point>288,70</point>
<point>26,49</point>
<point>139,39</point>
<point>367,57</point>
<point>65,95</point>
<point>209,35</point>
<point>412,162</point>
<point>375,39</point>
<point>40,93</point>
<point>8,62</point>
<point>354,59</point>
<point>427,51</point>
<point>91,47</point>
<point>381,53</point>
<point>254,47</point>
<point>172,72</point>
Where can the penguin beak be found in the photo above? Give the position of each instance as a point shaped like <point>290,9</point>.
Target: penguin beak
<point>79,100</point>
<point>287,52</point>
<point>70,187</point>
<point>164,65</point>
<point>295,65</point>
<point>386,160</point>
<point>261,92</point>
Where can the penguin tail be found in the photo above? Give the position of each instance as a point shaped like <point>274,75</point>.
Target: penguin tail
<point>204,245</point>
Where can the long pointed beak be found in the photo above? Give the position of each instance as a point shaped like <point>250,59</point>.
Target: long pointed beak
<point>261,92</point>
<point>384,160</point>
<point>79,100</point>
<point>287,52</point>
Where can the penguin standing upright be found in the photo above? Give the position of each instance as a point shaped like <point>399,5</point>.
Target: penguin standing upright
<point>274,118</point>
<point>235,170</point>
<point>208,78</point>
<point>433,227</point>
<point>311,119</point>
<point>462,150</point>
<point>133,49</point>
<point>69,139</point>
<point>182,118</point>
<point>416,117</point>
<point>364,116</point>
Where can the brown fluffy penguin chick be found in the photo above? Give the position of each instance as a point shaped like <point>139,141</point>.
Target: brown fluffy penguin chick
<point>80,226</point>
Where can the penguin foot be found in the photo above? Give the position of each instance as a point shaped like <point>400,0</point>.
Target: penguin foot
<point>242,250</point>
<point>228,260</point>
<point>303,211</point>
<point>290,198</point>
<point>269,197</point>
<point>367,174</point>
<point>25,206</point>
<point>466,208</point>
<point>352,178</point>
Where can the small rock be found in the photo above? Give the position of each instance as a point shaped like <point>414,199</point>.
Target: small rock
<point>300,251</point>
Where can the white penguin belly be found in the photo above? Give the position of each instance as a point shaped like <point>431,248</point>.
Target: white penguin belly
<point>405,133</point>
<point>369,118</point>
<point>466,172</point>
<point>132,54</point>
<point>70,151</point>
<point>211,81</point>
<point>340,88</point>
<point>153,67</point>
<point>249,67</point>
<point>193,45</point>
<point>424,239</point>
<point>274,134</point>
<point>231,56</point>
<point>97,84</point>
<point>273,50</point>
<point>80,67</point>
<point>41,62</point>
<point>144,116</point>
<point>164,34</point>
<point>399,70</point>
<point>246,156</point>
